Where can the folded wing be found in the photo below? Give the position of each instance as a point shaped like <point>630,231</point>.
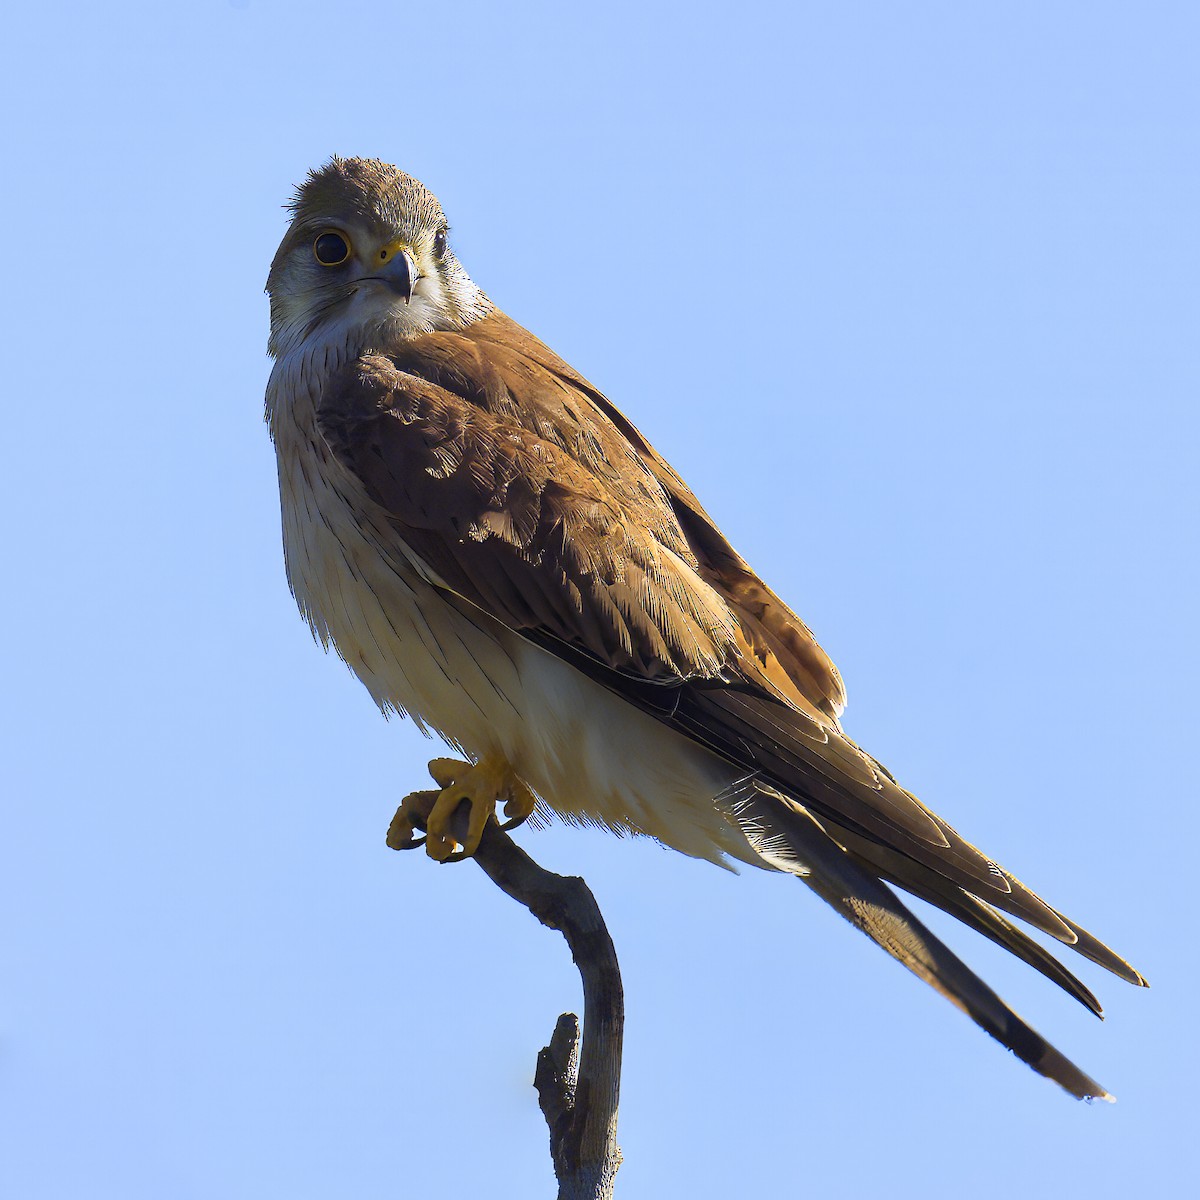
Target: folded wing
<point>518,487</point>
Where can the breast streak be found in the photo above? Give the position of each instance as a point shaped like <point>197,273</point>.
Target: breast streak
<point>591,756</point>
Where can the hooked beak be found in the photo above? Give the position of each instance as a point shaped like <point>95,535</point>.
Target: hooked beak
<point>394,266</point>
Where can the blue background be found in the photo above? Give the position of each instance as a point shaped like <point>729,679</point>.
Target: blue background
<point>907,292</point>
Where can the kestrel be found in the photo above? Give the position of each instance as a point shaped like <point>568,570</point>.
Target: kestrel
<point>495,550</point>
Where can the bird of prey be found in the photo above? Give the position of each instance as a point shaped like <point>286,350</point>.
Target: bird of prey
<point>495,550</point>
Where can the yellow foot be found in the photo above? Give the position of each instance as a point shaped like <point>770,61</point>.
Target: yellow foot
<point>412,815</point>
<point>481,785</point>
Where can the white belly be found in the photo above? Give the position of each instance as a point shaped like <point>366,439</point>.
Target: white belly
<point>589,755</point>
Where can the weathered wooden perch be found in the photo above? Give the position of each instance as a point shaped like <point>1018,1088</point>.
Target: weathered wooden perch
<point>578,1087</point>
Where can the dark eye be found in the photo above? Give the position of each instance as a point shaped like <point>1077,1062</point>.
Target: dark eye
<point>439,243</point>
<point>331,248</point>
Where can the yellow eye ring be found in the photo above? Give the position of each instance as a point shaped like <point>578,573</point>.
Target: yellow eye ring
<point>331,248</point>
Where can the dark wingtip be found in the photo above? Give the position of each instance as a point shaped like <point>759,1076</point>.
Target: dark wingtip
<point>1091,947</point>
<point>1066,1074</point>
<point>1029,1046</point>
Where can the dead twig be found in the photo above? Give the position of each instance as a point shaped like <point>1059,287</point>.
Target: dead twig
<point>578,1086</point>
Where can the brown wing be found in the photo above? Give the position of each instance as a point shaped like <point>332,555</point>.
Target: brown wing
<point>522,498</point>
<point>788,658</point>
<point>521,489</point>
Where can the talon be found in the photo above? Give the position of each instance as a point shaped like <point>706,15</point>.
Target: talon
<point>399,837</point>
<point>413,814</point>
<point>519,806</point>
<point>439,847</point>
<point>481,786</point>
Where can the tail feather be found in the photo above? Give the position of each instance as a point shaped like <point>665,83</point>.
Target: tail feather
<point>842,881</point>
<point>1093,948</point>
<point>982,917</point>
<point>921,880</point>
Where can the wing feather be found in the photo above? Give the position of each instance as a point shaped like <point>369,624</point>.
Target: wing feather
<point>504,512</point>
<point>789,659</point>
<point>522,490</point>
<point>872,906</point>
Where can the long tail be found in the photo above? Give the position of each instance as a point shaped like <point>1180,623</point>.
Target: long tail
<point>789,837</point>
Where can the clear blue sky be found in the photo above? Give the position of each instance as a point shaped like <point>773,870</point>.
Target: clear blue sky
<point>908,293</point>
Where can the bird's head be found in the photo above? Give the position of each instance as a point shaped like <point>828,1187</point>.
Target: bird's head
<point>365,260</point>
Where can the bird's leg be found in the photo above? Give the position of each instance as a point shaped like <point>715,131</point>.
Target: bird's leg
<point>482,785</point>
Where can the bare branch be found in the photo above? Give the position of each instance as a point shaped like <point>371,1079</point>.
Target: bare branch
<point>578,1088</point>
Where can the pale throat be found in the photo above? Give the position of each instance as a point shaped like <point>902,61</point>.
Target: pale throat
<point>368,319</point>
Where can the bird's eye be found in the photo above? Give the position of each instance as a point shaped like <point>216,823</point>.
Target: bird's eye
<point>331,248</point>
<point>439,243</point>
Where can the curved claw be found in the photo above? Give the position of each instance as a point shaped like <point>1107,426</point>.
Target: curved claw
<point>519,806</point>
<point>412,815</point>
<point>513,822</point>
<point>408,843</point>
<point>477,785</point>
